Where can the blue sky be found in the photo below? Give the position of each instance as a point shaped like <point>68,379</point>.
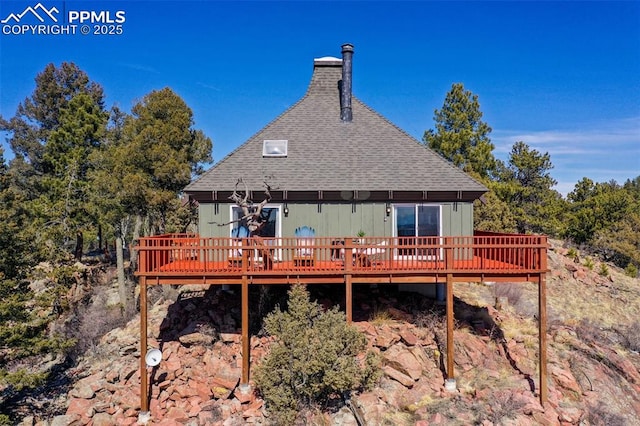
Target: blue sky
<point>564,77</point>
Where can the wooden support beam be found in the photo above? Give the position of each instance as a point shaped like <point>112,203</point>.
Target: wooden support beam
<point>246,341</point>
<point>144,384</point>
<point>450,372</point>
<point>348,269</point>
<point>349,298</point>
<point>542,331</point>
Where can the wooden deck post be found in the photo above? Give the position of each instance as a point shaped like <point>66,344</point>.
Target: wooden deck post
<point>348,266</point>
<point>246,342</point>
<point>349,298</point>
<point>144,384</point>
<point>542,341</point>
<point>450,372</point>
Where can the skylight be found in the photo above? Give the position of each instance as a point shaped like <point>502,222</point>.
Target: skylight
<point>274,148</point>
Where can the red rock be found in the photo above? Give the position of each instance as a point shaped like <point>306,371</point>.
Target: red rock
<point>236,407</point>
<point>230,337</point>
<point>399,314</point>
<point>196,339</point>
<point>225,381</point>
<point>82,390</point>
<point>81,407</point>
<point>571,267</point>
<point>128,399</point>
<point>186,391</point>
<point>164,395</point>
<point>169,422</point>
<point>580,274</point>
<point>194,400</point>
<point>177,414</point>
<point>244,397</point>
<point>131,413</point>
<point>403,361</point>
<point>194,411</point>
<point>366,328</point>
<point>408,337</point>
<point>205,418</point>
<point>67,420</point>
<point>103,419</point>
<point>398,376</point>
<point>436,419</point>
<point>203,390</point>
<point>225,411</point>
<point>155,409</point>
<point>172,365</point>
<point>384,339</point>
<point>208,405</point>
<point>221,392</point>
<point>565,379</point>
<point>251,412</point>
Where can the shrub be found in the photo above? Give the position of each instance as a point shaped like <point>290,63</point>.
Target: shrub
<point>572,253</point>
<point>631,270</point>
<point>632,337</point>
<point>380,316</point>
<point>604,270</point>
<point>588,262</point>
<point>512,291</point>
<point>314,359</point>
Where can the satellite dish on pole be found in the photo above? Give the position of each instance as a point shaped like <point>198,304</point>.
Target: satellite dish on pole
<point>153,357</point>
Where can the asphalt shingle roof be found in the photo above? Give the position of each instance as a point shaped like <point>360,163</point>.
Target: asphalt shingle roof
<point>326,154</point>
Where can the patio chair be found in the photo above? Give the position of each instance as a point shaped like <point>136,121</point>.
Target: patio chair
<point>371,255</point>
<point>304,253</point>
<point>235,254</point>
<point>264,252</point>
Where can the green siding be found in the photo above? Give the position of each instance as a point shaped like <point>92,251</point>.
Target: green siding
<point>340,219</point>
<point>457,219</point>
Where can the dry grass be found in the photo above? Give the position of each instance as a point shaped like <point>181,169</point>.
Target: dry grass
<point>608,302</point>
<point>399,418</point>
<point>380,316</point>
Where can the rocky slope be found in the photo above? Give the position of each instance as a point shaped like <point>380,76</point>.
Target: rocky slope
<point>593,363</point>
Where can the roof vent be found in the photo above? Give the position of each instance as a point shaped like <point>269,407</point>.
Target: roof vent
<point>275,148</point>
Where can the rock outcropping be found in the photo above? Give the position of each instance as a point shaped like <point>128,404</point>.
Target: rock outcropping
<point>591,378</point>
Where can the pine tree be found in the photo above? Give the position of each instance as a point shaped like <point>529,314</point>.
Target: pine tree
<point>51,134</point>
<point>460,135</point>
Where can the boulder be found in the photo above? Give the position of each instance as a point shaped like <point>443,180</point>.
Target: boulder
<point>401,359</point>
<point>398,376</point>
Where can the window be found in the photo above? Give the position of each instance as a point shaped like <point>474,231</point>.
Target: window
<point>274,148</point>
<point>272,229</point>
<point>417,220</point>
<point>270,213</point>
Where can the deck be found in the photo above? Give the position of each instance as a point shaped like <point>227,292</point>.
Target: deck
<point>189,259</point>
<point>484,257</point>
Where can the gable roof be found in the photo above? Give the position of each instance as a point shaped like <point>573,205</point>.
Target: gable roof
<point>329,158</point>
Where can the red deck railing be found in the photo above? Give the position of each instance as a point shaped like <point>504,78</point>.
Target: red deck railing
<point>190,255</point>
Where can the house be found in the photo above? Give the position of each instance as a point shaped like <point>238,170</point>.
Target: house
<point>336,165</point>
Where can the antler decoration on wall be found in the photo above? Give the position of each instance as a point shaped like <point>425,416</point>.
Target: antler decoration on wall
<point>251,212</point>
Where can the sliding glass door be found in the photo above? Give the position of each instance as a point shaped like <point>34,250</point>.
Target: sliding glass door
<point>417,220</point>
